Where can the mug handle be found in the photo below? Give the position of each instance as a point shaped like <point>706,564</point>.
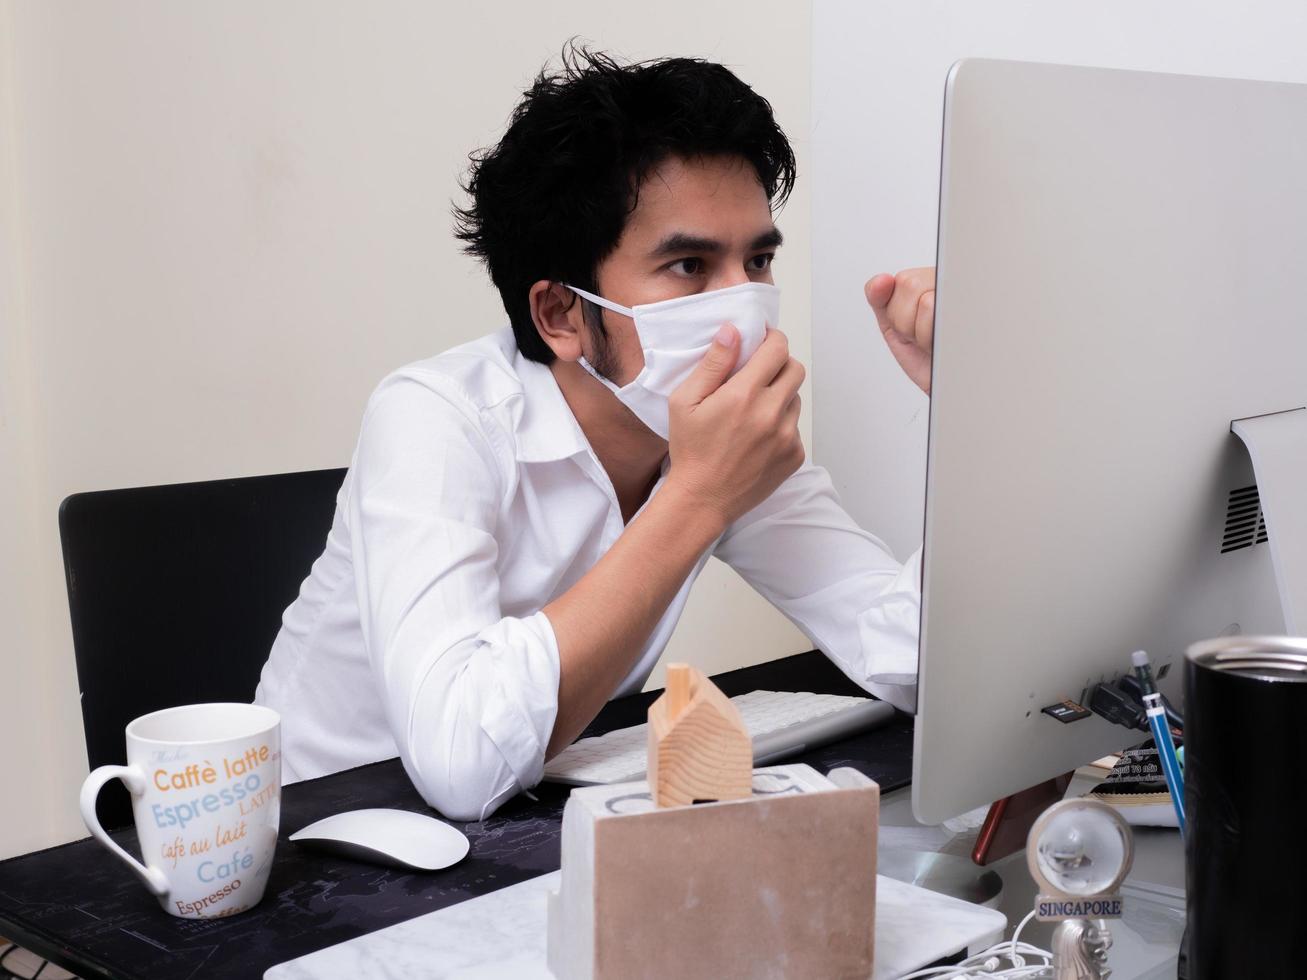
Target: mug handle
<point>135,779</point>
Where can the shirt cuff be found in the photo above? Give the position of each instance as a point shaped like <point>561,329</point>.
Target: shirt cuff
<point>888,631</point>
<point>519,715</point>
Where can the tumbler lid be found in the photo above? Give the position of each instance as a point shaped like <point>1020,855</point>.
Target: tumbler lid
<point>1272,658</point>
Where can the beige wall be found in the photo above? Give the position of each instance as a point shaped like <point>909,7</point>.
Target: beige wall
<point>221,224</point>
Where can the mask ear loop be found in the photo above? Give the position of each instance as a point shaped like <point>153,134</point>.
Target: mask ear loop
<point>600,301</point>
<point>597,301</point>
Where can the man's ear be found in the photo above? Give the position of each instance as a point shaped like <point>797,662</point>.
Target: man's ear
<point>556,311</point>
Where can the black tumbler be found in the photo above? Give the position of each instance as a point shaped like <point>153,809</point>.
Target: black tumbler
<point>1245,771</point>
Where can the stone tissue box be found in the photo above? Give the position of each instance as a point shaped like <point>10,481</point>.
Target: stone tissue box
<point>779,884</point>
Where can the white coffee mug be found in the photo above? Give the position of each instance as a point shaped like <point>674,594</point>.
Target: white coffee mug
<point>205,781</point>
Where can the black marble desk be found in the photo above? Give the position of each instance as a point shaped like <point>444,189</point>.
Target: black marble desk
<point>77,905</point>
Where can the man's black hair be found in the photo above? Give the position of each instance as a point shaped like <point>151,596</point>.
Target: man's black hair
<point>551,199</point>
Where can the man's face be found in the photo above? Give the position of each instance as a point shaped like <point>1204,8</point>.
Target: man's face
<point>700,225</point>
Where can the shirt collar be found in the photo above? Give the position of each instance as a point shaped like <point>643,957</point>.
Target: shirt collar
<point>546,428</point>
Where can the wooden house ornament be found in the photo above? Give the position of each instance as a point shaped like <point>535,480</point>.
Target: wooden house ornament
<point>699,749</point>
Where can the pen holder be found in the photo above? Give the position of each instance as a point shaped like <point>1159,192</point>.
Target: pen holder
<point>1245,800</point>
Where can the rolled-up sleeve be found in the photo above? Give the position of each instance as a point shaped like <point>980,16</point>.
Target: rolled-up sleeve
<point>470,695</point>
<point>840,585</point>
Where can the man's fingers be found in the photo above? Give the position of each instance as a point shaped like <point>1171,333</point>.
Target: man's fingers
<point>904,303</point>
<point>924,326</point>
<point>786,384</point>
<point>878,290</point>
<point>766,362</point>
<point>790,417</point>
<point>715,367</point>
<point>903,307</point>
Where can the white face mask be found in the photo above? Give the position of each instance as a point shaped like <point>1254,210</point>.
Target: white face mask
<point>676,334</point>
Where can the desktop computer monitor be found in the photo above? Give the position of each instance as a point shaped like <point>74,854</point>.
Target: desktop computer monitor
<point>1121,267</point>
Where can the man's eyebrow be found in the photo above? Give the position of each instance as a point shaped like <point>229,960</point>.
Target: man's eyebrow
<point>679,242</point>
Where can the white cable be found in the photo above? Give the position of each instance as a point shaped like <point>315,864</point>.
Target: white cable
<point>984,965</point>
<point>966,969</point>
<point>959,972</point>
<point>1016,936</point>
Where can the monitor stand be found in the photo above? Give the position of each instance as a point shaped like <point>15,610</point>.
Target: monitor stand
<point>1277,444</point>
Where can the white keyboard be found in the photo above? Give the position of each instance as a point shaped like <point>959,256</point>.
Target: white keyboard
<point>781,724</point>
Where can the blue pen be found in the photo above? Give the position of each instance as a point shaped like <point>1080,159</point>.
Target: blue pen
<point>1161,733</point>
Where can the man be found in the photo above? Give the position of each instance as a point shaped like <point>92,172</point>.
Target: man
<point>524,516</point>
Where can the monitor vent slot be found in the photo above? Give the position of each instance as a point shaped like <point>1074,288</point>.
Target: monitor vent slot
<point>1245,524</point>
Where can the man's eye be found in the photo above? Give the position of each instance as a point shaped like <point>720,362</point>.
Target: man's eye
<point>760,263</point>
<point>687,267</point>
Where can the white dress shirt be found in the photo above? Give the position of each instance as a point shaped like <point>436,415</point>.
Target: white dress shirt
<point>472,500</point>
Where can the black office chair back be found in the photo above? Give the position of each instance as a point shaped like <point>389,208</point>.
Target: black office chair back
<point>176,594</point>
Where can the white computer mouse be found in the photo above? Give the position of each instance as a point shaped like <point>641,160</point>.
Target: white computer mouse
<point>399,838</point>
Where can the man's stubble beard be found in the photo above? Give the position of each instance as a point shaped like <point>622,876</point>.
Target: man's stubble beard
<point>604,362</point>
